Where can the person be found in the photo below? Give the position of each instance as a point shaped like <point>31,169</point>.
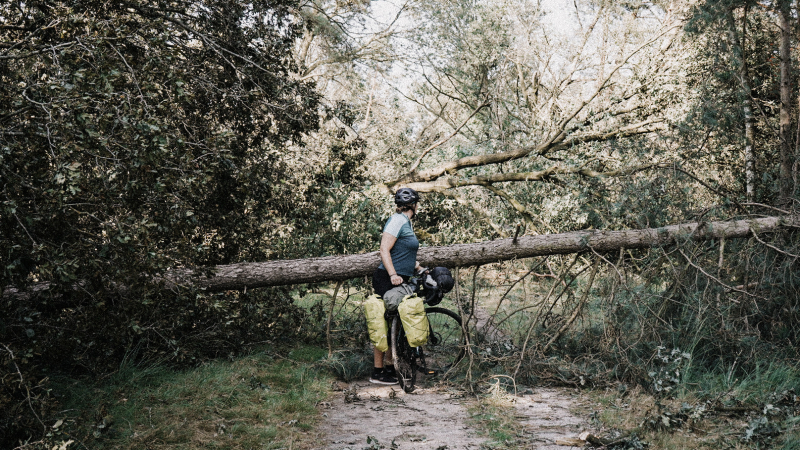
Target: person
<point>398,252</point>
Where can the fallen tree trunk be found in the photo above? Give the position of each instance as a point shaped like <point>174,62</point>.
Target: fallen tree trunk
<point>343,267</point>
<point>332,268</point>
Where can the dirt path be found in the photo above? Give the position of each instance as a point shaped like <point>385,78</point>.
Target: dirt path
<point>365,416</point>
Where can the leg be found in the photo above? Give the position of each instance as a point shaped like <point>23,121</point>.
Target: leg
<point>381,283</point>
<point>378,357</point>
<point>382,374</point>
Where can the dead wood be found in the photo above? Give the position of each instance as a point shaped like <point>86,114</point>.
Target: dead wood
<point>342,267</point>
<point>333,268</point>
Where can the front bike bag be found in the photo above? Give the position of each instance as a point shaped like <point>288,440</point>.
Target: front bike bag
<point>415,321</point>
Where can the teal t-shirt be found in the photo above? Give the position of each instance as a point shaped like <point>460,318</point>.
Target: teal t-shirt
<point>404,251</point>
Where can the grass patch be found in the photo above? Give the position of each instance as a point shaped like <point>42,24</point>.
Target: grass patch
<point>493,416</point>
<point>260,401</point>
<point>759,385</point>
<point>348,365</point>
<point>710,410</point>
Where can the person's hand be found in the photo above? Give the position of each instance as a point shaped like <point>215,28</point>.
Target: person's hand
<point>396,280</point>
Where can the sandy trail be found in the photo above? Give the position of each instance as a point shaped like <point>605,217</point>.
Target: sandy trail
<point>367,416</point>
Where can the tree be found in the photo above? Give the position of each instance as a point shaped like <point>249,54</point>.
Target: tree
<point>343,267</point>
<point>523,104</point>
<point>747,103</point>
<point>137,136</point>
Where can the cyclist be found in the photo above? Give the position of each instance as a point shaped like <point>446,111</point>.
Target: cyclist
<point>398,251</point>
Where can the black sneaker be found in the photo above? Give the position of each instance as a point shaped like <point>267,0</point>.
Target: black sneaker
<point>389,370</point>
<point>383,378</point>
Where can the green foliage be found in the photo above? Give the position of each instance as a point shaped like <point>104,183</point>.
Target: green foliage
<point>671,367</point>
<point>713,75</point>
<point>257,401</point>
<point>71,335</point>
<point>134,138</point>
<point>144,140</point>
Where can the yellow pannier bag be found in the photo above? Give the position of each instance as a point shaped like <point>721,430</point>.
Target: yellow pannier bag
<point>376,323</point>
<point>415,322</point>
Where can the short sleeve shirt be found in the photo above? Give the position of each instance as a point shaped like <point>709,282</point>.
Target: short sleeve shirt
<point>404,251</point>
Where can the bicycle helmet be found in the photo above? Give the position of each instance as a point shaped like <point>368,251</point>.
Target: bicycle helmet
<point>405,196</point>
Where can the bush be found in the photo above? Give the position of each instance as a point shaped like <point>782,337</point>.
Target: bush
<point>79,335</point>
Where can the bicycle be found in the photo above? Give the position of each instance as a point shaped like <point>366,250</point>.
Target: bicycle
<point>444,349</point>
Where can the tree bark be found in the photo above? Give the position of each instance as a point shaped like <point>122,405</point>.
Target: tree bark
<point>740,46</point>
<point>425,180</point>
<point>342,267</point>
<point>786,155</point>
<point>333,268</point>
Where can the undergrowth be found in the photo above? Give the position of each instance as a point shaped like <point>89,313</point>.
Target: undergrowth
<point>264,400</point>
<point>493,416</point>
<point>760,410</point>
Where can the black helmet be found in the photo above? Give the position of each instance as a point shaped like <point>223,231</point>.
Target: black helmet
<point>405,196</point>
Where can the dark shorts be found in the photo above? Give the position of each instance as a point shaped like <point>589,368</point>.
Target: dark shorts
<point>381,281</point>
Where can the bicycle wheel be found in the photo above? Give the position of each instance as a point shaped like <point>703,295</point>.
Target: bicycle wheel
<point>446,342</point>
<point>405,356</point>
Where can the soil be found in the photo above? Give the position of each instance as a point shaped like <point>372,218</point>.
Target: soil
<point>366,416</point>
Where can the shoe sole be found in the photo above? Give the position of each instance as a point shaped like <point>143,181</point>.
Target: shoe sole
<point>386,383</point>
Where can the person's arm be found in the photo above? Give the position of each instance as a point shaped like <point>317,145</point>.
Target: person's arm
<point>387,242</point>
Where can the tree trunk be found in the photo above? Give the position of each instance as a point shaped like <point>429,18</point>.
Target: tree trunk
<point>786,156</point>
<point>343,267</point>
<point>331,268</point>
<point>796,158</point>
<point>744,80</point>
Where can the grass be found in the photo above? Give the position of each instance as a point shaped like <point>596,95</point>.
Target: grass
<point>493,416</point>
<point>348,365</point>
<point>261,401</point>
<point>769,414</point>
<point>756,386</point>
<point>496,422</point>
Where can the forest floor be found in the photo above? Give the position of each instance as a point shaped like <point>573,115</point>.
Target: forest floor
<point>365,416</point>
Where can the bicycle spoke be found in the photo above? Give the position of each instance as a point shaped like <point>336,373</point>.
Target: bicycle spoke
<point>446,343</point>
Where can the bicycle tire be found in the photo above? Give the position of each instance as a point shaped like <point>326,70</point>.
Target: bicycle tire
<point>404,356</point>
<point>446,343</point>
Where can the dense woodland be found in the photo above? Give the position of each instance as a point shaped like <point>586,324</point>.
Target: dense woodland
<point>140,138</point>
